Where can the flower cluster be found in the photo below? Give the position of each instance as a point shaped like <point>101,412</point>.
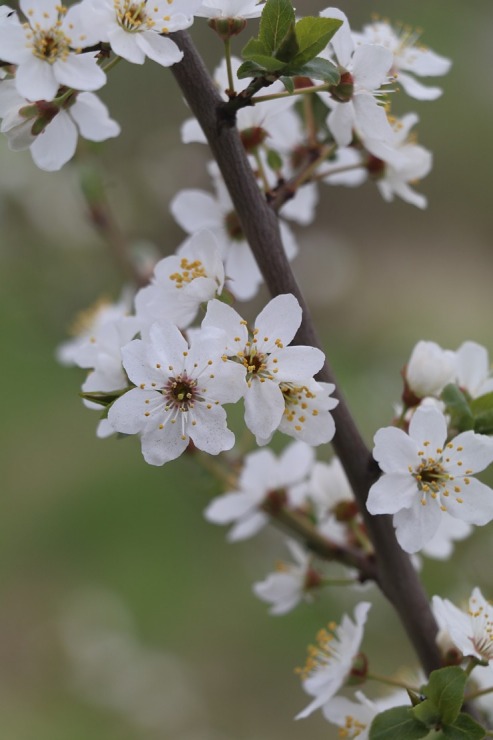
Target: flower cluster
<point>429,464</point>
<point>170,389</point>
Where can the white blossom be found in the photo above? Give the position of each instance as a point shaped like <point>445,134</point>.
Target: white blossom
<point>290,584</point>
<point>54,143</point>
<point>136,31</point>
<point>430,369</point>
<point>354,718</point>
<point>366,68</point>
<point>399,162</point>
<point>46,49</point>
<point>265,478</point>
<point>329,662</point>
<point>230,9</point>
<point>410,57</point>
<point>182,282</point>
<point>425,476</point>
<point>195,210</point>
<point>473,369</point>
<point>471,631</point>
<point>178,394</point>
<point>273,369</point>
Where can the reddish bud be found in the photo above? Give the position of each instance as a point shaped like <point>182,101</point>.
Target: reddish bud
<point>226,28</point>
<point>343,91</point>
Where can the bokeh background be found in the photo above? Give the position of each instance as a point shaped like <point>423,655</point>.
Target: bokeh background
<point>123,614</point>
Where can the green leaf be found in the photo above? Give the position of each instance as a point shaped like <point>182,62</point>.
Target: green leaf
<point>250,69</point>
<point>275,22</point>
<point>482,404</point>
<point>397,723</point>
<point>288,84</point>
<point>288,48</point>
<point>313,35</point>
<point>464,728</point>
<point>254,47</point>
<point>320,69</point>
<point>271,64</point>
<point>445,689</point>
<point>458,407</point>
<point>427,712</point>
<point>483,423</point>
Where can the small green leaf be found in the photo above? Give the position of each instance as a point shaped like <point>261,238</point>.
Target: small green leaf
<point>271,64</point>
<point>254,47</point>
<point>482,404</point>
<point>320,69</point>
<point>313,35</point>
<point>427,713</point>
<point>250,69</point>
<point>288,47</point>
<point>397,723</point>
<point>275,22</point>
<point>464,728</point>
<point>288,84</point>
<point>458,407</point>
<point>445,689</point>
<point>102,398</point>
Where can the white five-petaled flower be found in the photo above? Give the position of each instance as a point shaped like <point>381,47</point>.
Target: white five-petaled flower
<point>365,69</point>
<point>265,479</point>
<point>272,368</point>
<point>329,662</point>
<point>54,143</point>
<point>178,395</point>
<point>471,631</point>
<point>230,9</point>
<point>291,582</point>
<point>410,58</point>
<point>424,476</point>
<point>182,282</point>
<point>46,50</point>
<point>133,28</point>
<point>354,718</point>
<point>195,210</point>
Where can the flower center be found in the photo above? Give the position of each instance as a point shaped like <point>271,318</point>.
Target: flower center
<point>132,17</point>
<point>352,728</point>
<point>51,44</point>
<point>322,653</point>
<point>189,271</point>
<point>483,630</point>
<point>181,393</point>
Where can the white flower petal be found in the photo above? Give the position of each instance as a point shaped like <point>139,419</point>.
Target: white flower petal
<point>475,504</point>
<point>162,50</point>
<point>264,407</point>
<point>394,450</point>
<point>391,493</point>
<point>417,525</point>
<point>92,117</point>
<point>35,80</point>
<point>56,145</point>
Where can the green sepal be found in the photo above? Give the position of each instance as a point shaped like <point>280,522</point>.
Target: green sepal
<point>313,35</point>
<point>483,423</point>
<point>319,68</point>
<point>274,160</point>
<point>275,22</point>
<point>463,728</point>
<point>445,690</point>
<point>102,398</point>
<point>458,408</point>
<point>397,722</point>
<point>288,84</point>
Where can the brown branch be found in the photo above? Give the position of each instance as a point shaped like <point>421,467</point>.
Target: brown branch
<point>397,577</point>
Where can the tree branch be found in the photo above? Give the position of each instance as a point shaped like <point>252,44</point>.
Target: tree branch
<point>397,577</point>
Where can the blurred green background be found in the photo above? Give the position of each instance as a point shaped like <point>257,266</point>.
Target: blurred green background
<point>123,614</point>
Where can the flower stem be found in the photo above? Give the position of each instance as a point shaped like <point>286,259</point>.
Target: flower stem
<point>229,68</point>
<point>287,94</point>
<point>392,682</point>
